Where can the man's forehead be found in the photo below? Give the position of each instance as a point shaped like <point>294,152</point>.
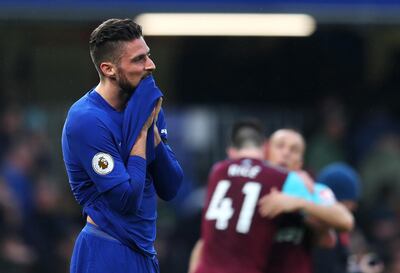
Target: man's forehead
<point>135,47</point>
<point>287,135</point>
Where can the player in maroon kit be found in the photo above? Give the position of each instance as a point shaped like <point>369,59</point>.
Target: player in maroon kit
<point>235,237</point>
<point>295,238</point>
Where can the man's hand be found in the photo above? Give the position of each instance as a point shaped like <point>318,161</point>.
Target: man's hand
<point>158,108</point>
<point>149,121</point>
<point>325,238</point>
<point>157,137</point>
<point>276,202</point>
<point>139,148</point>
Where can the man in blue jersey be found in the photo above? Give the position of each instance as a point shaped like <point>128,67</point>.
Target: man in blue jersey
<point>116,156</point>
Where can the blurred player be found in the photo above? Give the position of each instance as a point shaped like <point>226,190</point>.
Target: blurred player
<point>235,238</point>
<point>294,239</point>
<point>115,181</point>
<point>345,183</point>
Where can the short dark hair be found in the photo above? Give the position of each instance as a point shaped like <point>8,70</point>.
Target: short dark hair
<point>106,40</point>
<point>247,133</point>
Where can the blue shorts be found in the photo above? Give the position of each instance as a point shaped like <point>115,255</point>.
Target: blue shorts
<point>96,252</point>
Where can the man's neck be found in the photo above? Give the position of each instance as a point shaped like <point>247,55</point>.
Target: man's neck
<point>254,153</point>
<point>111,94</point>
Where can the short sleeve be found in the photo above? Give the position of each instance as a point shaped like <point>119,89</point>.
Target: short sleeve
<point>295,186</point>
<point>92,143</point>
<point>323,195</point>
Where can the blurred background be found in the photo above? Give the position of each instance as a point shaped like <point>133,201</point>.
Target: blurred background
<point>339,85</point>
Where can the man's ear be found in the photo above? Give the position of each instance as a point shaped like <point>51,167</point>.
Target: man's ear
<point>231,153</point>
<point>301,164</point>
<point>108,69</point>
<point>265,149</point>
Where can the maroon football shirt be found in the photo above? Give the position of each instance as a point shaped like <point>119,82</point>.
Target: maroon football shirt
<point>291,251</point>
<point>236,238</point>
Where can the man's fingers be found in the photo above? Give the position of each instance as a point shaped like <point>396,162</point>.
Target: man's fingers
<point>150,120</point>
<point>153,114</point>
<point>263,206</point>
<point>158,108</point>
<point>269,212</point>
<point>264,211</point>
<point>263,199</point>
<point>159,103</point>
<point>266,207</point>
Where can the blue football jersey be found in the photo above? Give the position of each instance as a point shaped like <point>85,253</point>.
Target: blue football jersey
<point>91,145</point>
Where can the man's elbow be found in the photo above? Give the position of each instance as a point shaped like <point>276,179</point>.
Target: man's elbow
<point>166,196</point>
<point>131,207</point>
<point>350,223</point>
<point>131,201</point>
<point>347,224</point>
<point>172,189</point>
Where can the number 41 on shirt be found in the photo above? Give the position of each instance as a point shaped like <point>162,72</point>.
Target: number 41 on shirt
<point>221,208</point>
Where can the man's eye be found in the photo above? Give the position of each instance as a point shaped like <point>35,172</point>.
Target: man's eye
<point>280,145</point>
<point>295,149</point>
<point>139,59</point>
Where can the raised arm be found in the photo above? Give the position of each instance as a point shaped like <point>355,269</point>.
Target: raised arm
<point>165,169</point>
<point>320,204</point>
<point>122,186</point>
<point>127,196</point>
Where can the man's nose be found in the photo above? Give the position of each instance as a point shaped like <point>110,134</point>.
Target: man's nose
<point>286,153</point>
<point>150,65</point>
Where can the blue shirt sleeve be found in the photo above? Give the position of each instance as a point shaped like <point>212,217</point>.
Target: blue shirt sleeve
<point>167,172</point>
<point>162,126</point>
<point>93,145</point>
<point>127,197</point>
<point>295,186</point>
<point>323,195</point>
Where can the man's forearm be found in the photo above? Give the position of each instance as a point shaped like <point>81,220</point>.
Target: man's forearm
<point>335,215</point>
<point>127,196</point>
<point>167,172</point>
<point>195,256</point>
<point>139,148</point>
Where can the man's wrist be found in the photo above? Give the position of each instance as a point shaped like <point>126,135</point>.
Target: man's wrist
<point>157,137</point>
<point>142,134</point>
<point>303,205</point>
<point>139,148</point>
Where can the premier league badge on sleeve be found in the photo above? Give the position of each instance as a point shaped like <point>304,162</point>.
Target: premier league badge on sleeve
<point>102,163</point>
